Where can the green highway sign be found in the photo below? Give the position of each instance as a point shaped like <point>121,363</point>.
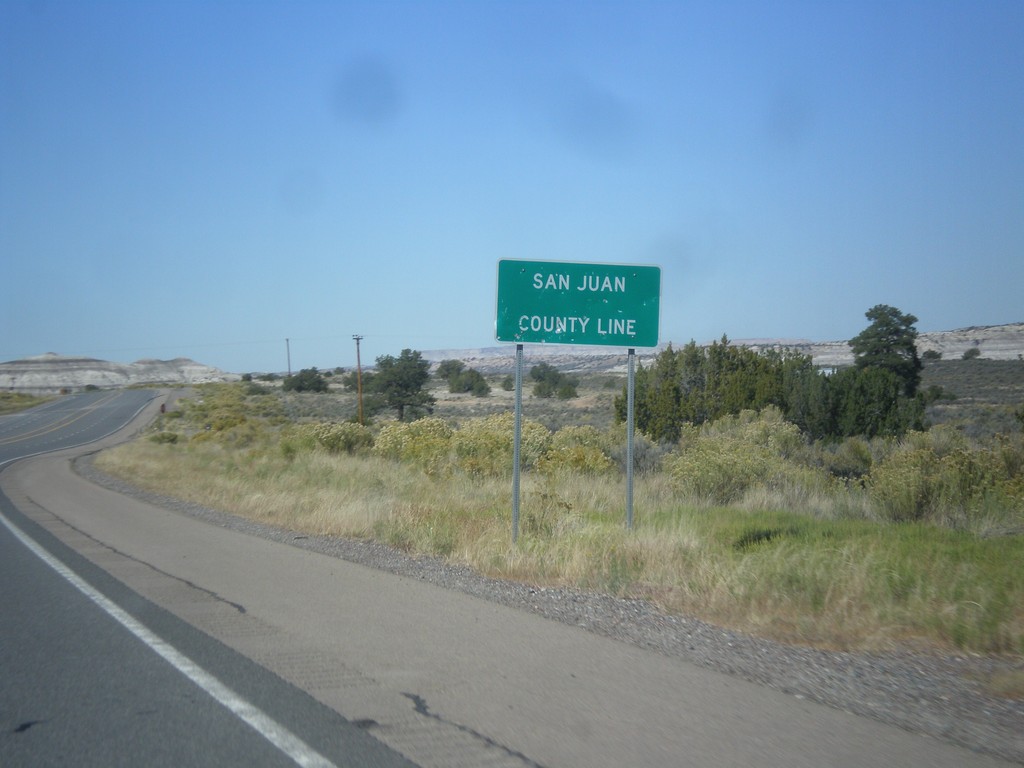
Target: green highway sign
<point>563,302</point>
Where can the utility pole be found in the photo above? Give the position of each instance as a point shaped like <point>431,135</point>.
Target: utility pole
<point>288,349</point>
<point>359,376</point>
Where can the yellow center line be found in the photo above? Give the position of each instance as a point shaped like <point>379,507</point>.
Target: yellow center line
<point>47,428</point>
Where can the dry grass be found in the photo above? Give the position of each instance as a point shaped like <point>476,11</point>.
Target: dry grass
<point>1009,685</point>
<point>822,579</point>
<point>12,402</point>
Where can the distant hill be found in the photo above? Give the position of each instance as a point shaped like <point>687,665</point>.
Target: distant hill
<point>993,342</point>
<point>52,373</point>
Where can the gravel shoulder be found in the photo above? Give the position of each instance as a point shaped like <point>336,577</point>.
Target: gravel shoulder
<point>943,696</point>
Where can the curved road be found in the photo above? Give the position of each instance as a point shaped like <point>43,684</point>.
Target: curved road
<point>237,650</point>
<point>93,675</point>
<point>69,421</point>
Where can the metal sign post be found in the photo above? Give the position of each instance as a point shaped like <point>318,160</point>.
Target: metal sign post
<point>517,442</point>
<point>630,389</point>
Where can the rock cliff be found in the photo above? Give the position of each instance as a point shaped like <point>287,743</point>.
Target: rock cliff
<point>51,373</point>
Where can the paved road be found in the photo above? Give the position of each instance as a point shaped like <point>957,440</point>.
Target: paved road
<point>440,677</point>
<point>69,421</point>
<point>91,674</point>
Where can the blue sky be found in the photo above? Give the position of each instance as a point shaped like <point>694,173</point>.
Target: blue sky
<point>207,179</point>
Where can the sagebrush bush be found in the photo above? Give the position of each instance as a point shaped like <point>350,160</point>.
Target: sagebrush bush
<point>342,438</point>
<point>426,443</point>
<point>225,414</point>
<point>577,449</point>
<point>647,454</point>
<point>484,446</point>
<point>719,471</point>
<point>585,435</point>
<point>936,476</point>
<point>588,459</point>
<point>767,429</point>
<point>240,433</point>
<point>295,439</point>
<point>850,460</point>
<point>723,460</point>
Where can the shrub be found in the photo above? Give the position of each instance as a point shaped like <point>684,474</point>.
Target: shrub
<point>306,380</point>
<point>767,429</point>
<point>719,470</point>
<point>164,437</point>
<point>296,439</point>
<point>425,443</point>
<point>484,446</point>
<point>342,438</point>
<point>551,382</point>
<point>900,487</point>
<point>470,380</point>
<point>566,391</point>
<point>582,435</point>
<point>850,460</point>
<point>577,449</point>
<point>722,461</point>
<point>233,434</point>
<point>449,369</point>
<point>938,477</point>
<point>586,459</point>
<point>647,454</point>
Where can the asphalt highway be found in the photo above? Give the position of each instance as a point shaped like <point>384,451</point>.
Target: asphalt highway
<point>223,648</point>
<point>91,674</point>
<point>69,421</point>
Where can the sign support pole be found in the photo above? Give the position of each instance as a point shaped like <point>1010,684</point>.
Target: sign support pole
<point>516,442</point>
<point>630,398</point>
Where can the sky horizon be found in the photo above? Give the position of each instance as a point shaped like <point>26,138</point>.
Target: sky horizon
<point>209,179</point>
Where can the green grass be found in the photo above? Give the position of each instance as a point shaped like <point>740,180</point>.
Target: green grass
<point>12,402</point>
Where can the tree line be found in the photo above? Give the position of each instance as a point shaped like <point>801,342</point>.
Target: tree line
<point>877,396</point>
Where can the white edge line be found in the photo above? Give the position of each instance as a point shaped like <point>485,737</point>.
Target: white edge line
<point>277,734</point>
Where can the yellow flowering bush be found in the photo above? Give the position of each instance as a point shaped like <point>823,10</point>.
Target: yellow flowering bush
<point>484,446</point>
<point>425,442</point>
<point>577,449</point>
<point>342,438</point>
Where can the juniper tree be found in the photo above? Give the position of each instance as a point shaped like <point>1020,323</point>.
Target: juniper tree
<point>889,342</point>
<point>399,381</point>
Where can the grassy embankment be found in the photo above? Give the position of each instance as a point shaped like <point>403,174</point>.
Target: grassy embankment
<point>870,546</point>
<point>12,402</point>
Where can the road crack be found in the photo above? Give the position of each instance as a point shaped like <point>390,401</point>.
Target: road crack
<point>420,704</point>
<point>190,584</point>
